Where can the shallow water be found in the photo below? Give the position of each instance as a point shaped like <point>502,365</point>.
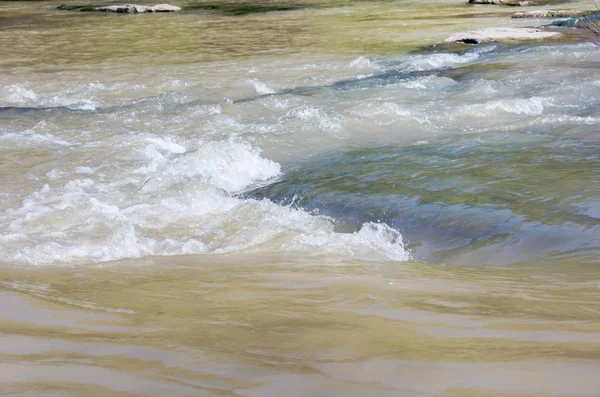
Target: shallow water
<point>298,202</point>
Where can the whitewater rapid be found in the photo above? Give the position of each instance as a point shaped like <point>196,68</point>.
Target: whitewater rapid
<point>134,169</point>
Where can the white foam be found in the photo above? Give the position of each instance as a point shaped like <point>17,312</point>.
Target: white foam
<point>260,87</point>
<point>167,144</point>
<point>376,238</point>
<point>86,104</point>
<point>78,97</point>
<point>577,120</point>
<point>178,203</point>
<point>84,170</point>
<point>54,174</point>
<point>315,116</point>
<point>30,138</point>
<point>364,65</point>
<point>228,165</point>
<point>19,94</point>
<point>76,222</point>
<point>533,106</point>
<point>438,61</point>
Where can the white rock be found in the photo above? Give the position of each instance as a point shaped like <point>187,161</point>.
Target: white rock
<point>125,9</point>
<point>138,9</point>
<point>485,1</point>
<point>503,2</point>
<point>164,8</point>
<point>552,14</point>
<point>490,35</point>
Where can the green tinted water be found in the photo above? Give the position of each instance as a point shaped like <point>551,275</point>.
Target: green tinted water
<point>141,258</point>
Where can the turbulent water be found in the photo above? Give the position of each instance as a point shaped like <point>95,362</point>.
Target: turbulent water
<point>296,200</point>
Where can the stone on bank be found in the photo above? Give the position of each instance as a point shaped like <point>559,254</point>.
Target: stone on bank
<point>503,2</point>
<point>552,14</point>
<point>493,35</point>
<point>125,8</point>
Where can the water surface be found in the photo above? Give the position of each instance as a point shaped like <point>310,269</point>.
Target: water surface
<point>295,198</point>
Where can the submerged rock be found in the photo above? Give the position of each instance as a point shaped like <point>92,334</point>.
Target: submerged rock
<point>503,2</point>
<point>576,22</point>
<point>138,9</point>
<point>552,14</point>
<point>491,35</point>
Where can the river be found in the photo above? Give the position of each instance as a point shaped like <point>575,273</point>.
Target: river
<point>304,198</point>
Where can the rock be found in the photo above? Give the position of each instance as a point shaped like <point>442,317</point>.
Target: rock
<point>575,22</point>
<point>164,8</point>
<point>503,2</point>
<point>485,1</point>
<point>492,35</point>
<point>138,9</point>
<point>124,9</point>
<point>552,14</point>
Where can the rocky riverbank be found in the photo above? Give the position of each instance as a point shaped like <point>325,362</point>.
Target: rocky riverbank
<point>491,34</point>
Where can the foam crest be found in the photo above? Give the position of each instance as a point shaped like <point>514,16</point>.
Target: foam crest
<point>531,106</point>
<point>438,61</point>
<point>178,201</point>
<point>386,113</point>
<point>20,95</point>
<point>79,99</point>
<point>229,165</point>
<point>260,87</point>
<point>314,116</point>
<point>77,223</point>
<point>246,88</point>
<point>167,144</point>
<point>31,138</point>
<point>374,238</point>
<point>364,65</point>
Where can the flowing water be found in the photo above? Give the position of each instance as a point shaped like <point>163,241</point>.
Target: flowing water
<point>296,199</point>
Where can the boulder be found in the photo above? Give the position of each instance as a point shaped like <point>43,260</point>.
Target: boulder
<point>503,2</point>
<point>124,9</point>
<point>138,9</point>
<point>492,35</point>
<point>552,14</point>
<point>576,22</point>
<point>164,8</point>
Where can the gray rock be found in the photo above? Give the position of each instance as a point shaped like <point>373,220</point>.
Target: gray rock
<point>503,2</point>
<point>576,22</point>
<point>138,9</point>
<point>485,1</point>
<point>124,9</point>
<point>492,35</point>
<point>552,14</point>
<point>164,8</point>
